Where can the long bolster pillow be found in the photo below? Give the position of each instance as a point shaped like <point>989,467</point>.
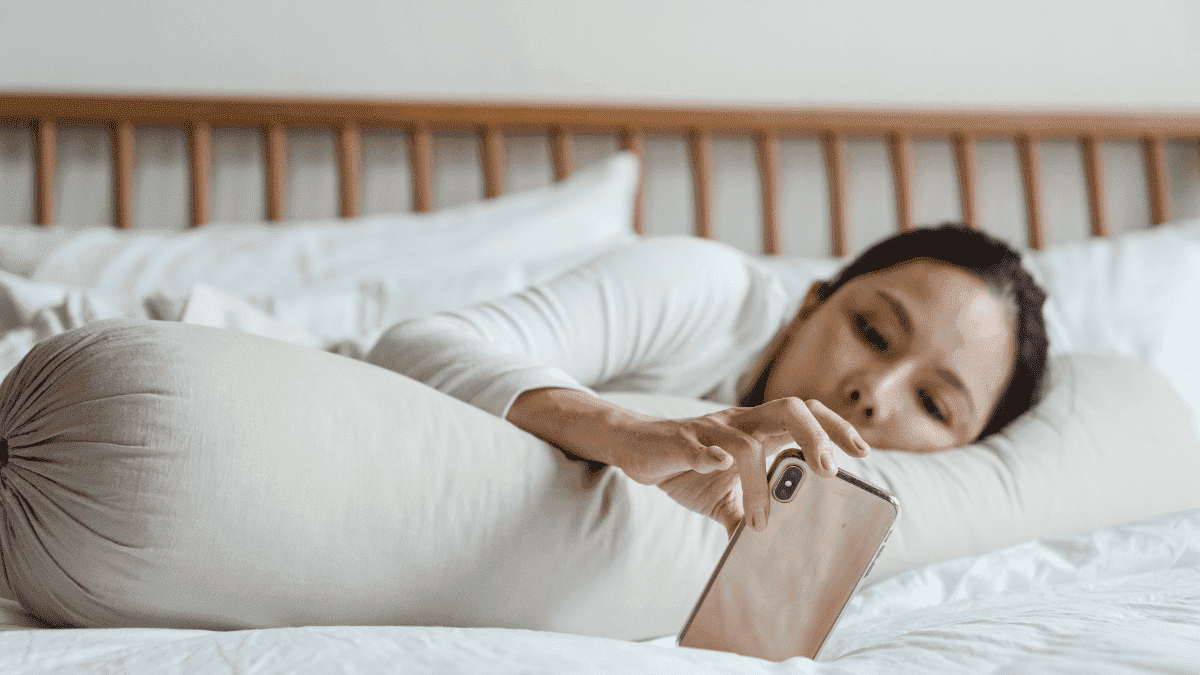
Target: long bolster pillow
<point>165,474</point>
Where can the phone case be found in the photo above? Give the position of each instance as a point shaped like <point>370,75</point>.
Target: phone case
<point>778,593</point>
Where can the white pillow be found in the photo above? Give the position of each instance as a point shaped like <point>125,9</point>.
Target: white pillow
<point>545,230</point>
<point>1135,294</point>
<point>166,474</point>
<point>797,273</point>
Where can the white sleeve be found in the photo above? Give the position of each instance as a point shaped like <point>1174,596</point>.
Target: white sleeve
<point>663,310</point>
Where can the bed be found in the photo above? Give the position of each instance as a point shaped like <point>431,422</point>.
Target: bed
<point>1114,592</point>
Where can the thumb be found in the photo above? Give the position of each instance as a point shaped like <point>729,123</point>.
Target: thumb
<point>730,511</point>
<point>710,458</point>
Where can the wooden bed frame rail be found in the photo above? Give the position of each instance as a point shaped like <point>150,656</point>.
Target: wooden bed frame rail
<point>274,116</point>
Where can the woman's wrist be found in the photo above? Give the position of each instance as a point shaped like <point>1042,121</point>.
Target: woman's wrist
<point>575,421</point>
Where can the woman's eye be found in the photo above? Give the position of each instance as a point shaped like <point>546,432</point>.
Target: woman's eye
<point>930,405</point>
<point>868,333</point>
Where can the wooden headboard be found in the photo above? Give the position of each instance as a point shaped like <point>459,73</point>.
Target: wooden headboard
<point>490,120</point>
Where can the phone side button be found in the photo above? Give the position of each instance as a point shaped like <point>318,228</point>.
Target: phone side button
<point>873,560</point>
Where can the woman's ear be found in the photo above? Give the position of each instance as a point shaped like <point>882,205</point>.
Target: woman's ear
<point>812,300</point>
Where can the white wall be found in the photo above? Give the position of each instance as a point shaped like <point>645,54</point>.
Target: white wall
<point>1055,52</point>
<point>1018,52</point>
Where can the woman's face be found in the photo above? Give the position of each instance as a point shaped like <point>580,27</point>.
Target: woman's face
<point>915,357</point>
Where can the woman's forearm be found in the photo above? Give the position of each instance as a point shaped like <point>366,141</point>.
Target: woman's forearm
<point>574,421</point>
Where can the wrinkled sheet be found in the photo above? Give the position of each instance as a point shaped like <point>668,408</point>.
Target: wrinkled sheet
<point>1123,599</point>
<point>33,311</point>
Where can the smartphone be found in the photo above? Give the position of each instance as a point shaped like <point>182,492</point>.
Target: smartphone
<point>778,593</point>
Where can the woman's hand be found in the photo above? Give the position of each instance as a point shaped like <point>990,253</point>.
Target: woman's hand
<point>716,464</point>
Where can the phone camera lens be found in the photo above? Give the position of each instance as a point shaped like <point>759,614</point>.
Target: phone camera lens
<point>785,489</point>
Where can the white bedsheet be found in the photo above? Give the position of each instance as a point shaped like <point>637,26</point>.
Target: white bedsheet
<point>1122,599</point>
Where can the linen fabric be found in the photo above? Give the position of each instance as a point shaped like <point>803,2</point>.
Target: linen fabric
<point>171,475</point>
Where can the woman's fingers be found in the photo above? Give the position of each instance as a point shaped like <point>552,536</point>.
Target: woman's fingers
<point>665,448</point>
<point>842,432</point>
<point>795,416</point>
<point>716,495</point>
<point>808,434</point>
<point>751,467</point>
<point>728,510</point>
<point>706,459</point>
<point>812,425</point>
<point>714,443</point>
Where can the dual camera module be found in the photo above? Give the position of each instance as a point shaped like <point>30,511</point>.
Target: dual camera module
<point>785,487</point>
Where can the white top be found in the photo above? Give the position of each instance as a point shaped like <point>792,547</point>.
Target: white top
<point>669,315</point>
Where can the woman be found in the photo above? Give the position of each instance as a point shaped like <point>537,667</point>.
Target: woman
<point>929,340</point>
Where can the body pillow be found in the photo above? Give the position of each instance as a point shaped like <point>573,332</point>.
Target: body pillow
<point>166,474</point>
<point>172,475</point>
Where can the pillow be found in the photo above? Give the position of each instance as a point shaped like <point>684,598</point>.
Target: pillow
<point>1134,294</point>
<point>797,273</point>
<point>1111,442</point>
<point>336,285</point>
<point>546,230</point>
<point>175,475</point>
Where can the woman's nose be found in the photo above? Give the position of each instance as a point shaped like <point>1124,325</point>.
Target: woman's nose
<point>865,405</point>
<point>874,395</point>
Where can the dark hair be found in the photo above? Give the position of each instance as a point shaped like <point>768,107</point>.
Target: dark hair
<point>997,265</point>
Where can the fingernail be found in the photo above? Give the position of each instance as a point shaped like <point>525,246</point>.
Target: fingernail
<point>760,520</point>
<point>716,455</point>
<point>862,446</point>
<point>827,463</point>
